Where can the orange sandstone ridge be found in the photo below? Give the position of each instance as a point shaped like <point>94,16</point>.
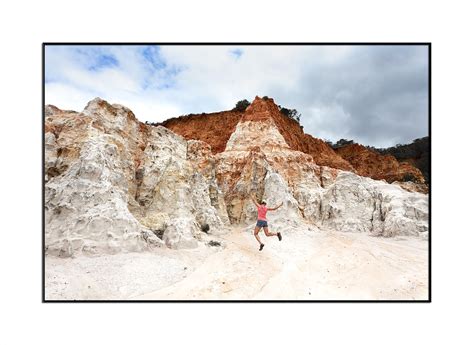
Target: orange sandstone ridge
<point>216,128</point>
<point>213,128</point>
<point>374,165</point>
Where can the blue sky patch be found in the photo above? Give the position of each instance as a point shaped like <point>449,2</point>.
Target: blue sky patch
<point>103,61</point>
<point>237,53</point>
<point>152,56</point>
<point>161,74</point>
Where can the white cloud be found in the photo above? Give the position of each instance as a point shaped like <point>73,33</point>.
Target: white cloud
<point>336,88</point>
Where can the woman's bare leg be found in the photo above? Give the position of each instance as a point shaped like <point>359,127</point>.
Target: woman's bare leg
<point>255,233</point>
<point>267,232</point>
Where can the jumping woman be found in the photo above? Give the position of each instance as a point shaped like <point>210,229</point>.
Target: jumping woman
<point>262,220</point>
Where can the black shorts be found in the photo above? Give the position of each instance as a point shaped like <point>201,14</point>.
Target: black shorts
<point>262,223</point>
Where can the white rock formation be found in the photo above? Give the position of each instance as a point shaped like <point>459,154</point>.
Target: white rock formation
<point>86,206</point>
<point>263,134</point>
<point>355,203</point>
<point>114,184</point>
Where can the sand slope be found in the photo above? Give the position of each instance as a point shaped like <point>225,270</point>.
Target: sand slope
<point>305,265</point>
<point>308,265</point>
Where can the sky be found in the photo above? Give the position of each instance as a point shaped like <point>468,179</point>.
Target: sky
<point>374,95</point>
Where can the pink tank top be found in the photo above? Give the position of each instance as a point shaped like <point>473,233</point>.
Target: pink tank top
<point>262,212</point>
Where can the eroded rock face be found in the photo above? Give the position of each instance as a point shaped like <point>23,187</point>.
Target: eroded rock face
<point>217,128</point>
<point>377,166</point>
<point>214,129</point>
<point>86,193</point>
<point>114,184</point>
<point>359,204</point>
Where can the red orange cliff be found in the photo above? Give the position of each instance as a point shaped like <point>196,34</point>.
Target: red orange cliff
<point>216,128</point>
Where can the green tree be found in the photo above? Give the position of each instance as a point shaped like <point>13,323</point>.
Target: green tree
<point>241,105</point>
<point>291,113</point>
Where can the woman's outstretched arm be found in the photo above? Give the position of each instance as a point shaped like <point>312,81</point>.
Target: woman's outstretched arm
<point>254,200</point>
<point>275,208</point>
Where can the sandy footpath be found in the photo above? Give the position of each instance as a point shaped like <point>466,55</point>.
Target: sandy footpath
<point>305,265</point>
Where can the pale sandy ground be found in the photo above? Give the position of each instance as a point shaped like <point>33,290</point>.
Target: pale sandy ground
<point>305,265</point>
